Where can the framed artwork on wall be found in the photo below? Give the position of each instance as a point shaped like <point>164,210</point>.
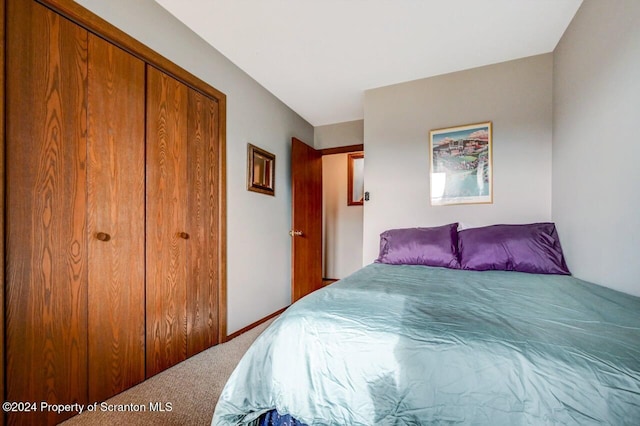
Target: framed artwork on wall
<point>355,179</point>
<point>261,170</point>
<point>461,164</point>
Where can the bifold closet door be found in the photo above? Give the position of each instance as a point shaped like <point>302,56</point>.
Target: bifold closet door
<point>167,236</point>
<point>203,223</point>
<point>75,214</point>
<point>182,221</point>
<point>46,279</point>
<point>116,197</point>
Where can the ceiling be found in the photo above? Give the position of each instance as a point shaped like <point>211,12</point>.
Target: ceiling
<point>319,56</point>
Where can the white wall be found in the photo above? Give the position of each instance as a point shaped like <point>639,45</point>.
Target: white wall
<point>596,147</point>
<point>516,96</point>
<point>342,224</point>
<point>259,246</point>
<point>339,134</point>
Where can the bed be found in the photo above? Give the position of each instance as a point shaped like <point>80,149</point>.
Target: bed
<point>416,344</point>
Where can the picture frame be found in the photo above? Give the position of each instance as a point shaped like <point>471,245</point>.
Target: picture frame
<point>355,179</point>
<point>261,170</point>
<point>461,164</point>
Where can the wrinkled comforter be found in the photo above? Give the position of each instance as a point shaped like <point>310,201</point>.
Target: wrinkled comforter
<point>406,345</point>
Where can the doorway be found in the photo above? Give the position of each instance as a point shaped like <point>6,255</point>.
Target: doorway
<point>342,214</point>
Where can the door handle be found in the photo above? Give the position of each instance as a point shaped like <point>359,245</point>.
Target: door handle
<point>295,233</point>
<point>103,236</point>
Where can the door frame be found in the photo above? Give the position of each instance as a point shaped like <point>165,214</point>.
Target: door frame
<point>348,149</point>
<point>342,149</point>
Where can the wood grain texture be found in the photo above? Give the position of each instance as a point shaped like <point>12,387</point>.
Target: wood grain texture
<point>166,302</point>
<point>116,197</point>
<point>46,282</point>
<point>203,216</point>
<point>221,244</point>
<point>94,23</point>
<point>306,194</point>
<point>43,116</point>
<point>2,197</point>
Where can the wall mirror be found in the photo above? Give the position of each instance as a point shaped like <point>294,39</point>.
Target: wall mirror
<point>355,178</point>
<point>261,170</point>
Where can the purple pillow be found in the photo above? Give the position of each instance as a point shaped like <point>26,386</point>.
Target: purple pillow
<point>436,246</point>
<point>533,248</point>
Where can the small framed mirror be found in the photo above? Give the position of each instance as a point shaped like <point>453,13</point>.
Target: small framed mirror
<point>261,170</point>
<point>355,178</point>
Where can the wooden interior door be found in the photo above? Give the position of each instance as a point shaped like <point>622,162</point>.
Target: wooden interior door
<point>166,246</point>
<point>116,190</point>
<point>46,279</point>
<point>306,238</point>
<point>202,223</point>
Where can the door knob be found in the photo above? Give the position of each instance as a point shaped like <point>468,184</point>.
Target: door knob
<point>295,233</point>
<point>103,236</point>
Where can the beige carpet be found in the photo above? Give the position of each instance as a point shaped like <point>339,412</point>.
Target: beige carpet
<point>191,388</point>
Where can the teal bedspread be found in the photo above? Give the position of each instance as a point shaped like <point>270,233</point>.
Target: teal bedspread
<point>407,345</point>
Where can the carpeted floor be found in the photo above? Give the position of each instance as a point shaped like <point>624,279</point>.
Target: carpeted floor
<point>188,392</point>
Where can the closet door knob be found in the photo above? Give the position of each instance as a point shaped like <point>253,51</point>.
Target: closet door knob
<point>183,235</point>
<point>103,236</point>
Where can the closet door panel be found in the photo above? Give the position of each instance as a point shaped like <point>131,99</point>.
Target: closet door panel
<point>166,221</point>
<point>46,280</point>
<point>202,254</point>
<point>116,197</point>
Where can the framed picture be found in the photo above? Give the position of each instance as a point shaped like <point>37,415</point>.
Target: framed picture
<point>461,164</point>
<point>355,179</point>
<point>261,170</point>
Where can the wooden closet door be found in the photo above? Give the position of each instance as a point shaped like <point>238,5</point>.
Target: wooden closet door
<point>46,279</point>
<point>116,197</point>
<point>167,236</point>
<point>202,222</point>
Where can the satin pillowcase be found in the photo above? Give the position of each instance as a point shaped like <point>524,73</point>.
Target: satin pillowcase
<point>533,248</point>
<point>437,246</point>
